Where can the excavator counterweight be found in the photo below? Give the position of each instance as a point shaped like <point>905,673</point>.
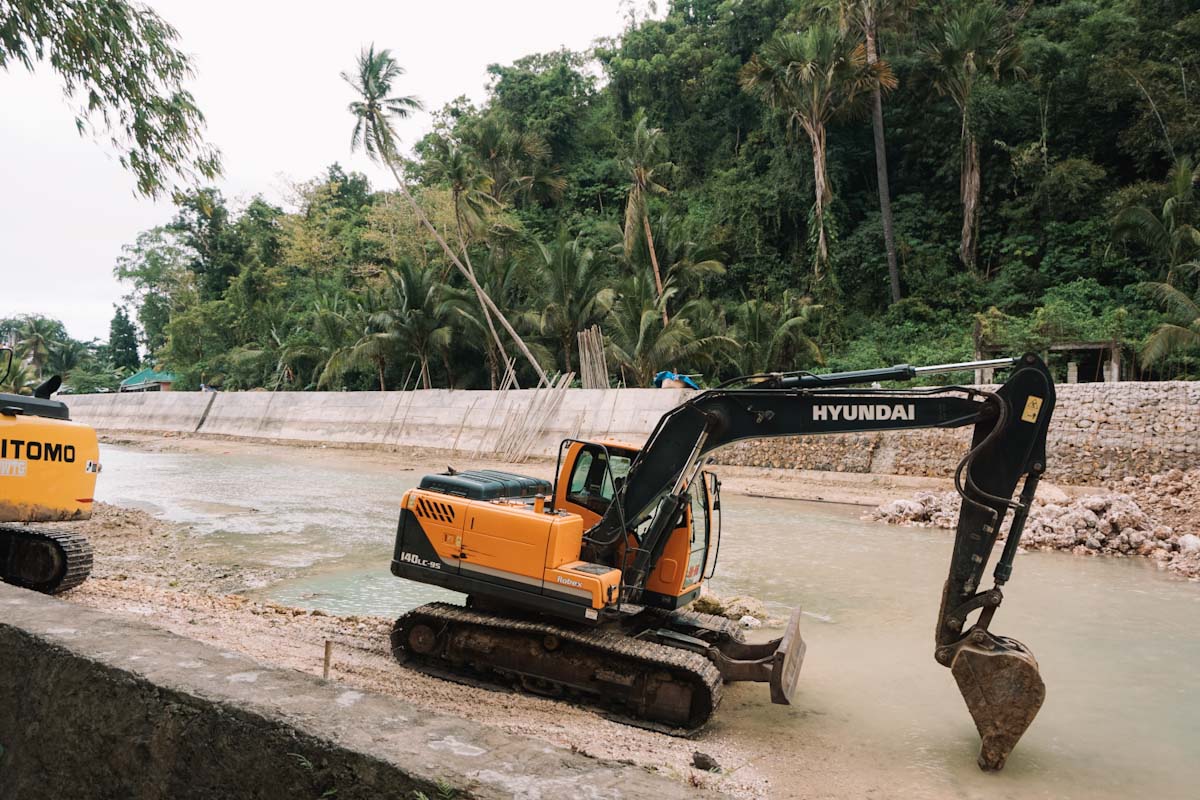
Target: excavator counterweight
<point>579,589</point>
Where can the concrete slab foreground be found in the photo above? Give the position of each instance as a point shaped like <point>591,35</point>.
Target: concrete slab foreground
<point>92,706</point>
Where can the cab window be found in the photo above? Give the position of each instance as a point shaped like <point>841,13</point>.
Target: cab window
<point>596,478</point>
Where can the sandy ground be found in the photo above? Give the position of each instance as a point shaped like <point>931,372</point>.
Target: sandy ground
<point>144,569</point>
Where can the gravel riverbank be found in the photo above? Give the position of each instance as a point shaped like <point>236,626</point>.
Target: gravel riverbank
<point>1157,516</point>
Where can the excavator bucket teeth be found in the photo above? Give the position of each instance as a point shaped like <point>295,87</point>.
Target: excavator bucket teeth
<point>788,658</point>
<point>1000,681</point>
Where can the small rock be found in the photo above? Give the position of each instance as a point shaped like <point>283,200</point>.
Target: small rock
<point>749,622</point>
<point>1189,543</point>
<point>705,762</point>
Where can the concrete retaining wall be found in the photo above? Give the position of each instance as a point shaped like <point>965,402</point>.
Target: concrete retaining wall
<point>179,412</point>
<point>1100,432</point>
<point>466,421</point>
<point>96,707</point>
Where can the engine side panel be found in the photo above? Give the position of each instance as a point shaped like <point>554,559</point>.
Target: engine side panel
<point>48,469</point>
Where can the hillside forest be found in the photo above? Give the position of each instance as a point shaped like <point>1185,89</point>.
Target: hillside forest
<point>737,187</point>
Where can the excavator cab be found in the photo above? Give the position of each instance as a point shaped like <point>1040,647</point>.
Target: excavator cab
<point>590,474</point>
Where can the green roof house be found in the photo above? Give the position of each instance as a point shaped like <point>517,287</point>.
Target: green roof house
<point>148,381</point>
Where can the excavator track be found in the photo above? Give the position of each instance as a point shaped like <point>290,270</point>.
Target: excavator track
<point>49,561</point>
<point>636,682</point>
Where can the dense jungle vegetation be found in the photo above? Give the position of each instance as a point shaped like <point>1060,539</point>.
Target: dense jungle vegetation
<point>706,188</point>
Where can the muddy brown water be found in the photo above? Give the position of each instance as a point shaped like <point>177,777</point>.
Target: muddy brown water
<point>1118,641</point>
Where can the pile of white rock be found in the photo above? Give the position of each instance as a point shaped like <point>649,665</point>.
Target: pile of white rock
<point>1110,524</point>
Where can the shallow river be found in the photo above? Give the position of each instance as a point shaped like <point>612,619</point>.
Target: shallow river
<point>1118,641</point>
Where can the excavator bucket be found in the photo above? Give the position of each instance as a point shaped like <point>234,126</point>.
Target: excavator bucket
<point>787,660</point>
<point>1000,681</point>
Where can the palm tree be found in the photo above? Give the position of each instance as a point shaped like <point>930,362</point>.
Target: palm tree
<point>469,189</point>
<point>421,313</point>
<point>868,17</point>
<point>772,335</point>
<point>640,346</point>
<point>644,160</point>
<point>1169,236</point>
<point>811,77</point>
<point>1184,332</point>
<point>373,114</point>
<point>67,356</point>
<point>366,341</point>
<point>20,379</point>
<point>573,293</point>
<point>689,264</point>
<point>971,41</point>
<point>38,338</point>
<point>517,162</point>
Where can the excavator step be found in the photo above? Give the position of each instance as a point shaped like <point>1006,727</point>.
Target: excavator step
<point>49,561</point>
<point>637,682</point>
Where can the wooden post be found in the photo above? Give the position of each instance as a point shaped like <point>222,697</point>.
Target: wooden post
<point>328,656</point>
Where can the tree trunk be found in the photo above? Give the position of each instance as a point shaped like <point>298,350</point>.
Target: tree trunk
<point>425,382</point>
<point>468,275</point>
<point>462,242</point>
<point>970,185</point>
<point>654,263</point>
<point>816,136</point>
<point>380,365</point>
<point>881,168</point>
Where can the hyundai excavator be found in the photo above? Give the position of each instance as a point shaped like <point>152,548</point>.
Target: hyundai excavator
<point>579,589</point>
<point>48,468</point>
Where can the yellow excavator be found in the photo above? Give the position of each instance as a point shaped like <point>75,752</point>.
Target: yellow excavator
<point>48,468</point>
<point>579,589</point>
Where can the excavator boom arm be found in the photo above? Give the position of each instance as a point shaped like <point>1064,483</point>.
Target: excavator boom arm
<point>1008,445</point>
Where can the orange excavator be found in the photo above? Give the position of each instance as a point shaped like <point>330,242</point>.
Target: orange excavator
<point>48,469</point>
<point>579,590</point>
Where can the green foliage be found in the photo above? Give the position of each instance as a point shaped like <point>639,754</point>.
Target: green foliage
<point>119,62</point>
<point>1085,209</point>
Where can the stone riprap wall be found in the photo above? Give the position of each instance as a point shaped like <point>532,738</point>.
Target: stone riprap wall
<point>1100,431</point>
<point>92,706</point>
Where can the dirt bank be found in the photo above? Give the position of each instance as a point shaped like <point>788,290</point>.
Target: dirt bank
<point>1156,516</point>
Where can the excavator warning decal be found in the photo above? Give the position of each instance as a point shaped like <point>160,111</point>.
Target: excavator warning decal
<point>1033,405</point>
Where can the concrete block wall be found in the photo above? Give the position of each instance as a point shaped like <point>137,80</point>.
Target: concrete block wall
<point>1100,431</point>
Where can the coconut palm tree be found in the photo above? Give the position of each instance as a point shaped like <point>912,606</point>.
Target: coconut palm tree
<point>640,346</point>
<point>469,188</point>
<point>1181,334</point>
<point>366,343</point>
<point>573,293</point>
<point>1169,236</point>
<point>66,357</point>
<point>37,338</point>
<point>688,263</point>
<point>517,162</point>
<point>644,161</point>
<point>373,114</point>
<point>973,40</point>
<point>420,315</point>
<point>812,77</point>
<point>772,335</point>
<point>869,17</point>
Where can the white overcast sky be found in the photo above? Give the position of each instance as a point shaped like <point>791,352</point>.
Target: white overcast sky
<point>268,82</point>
